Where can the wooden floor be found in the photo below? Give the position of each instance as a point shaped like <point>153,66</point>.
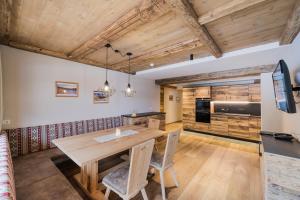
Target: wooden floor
<point>210,168</point>
<point>207,167</point>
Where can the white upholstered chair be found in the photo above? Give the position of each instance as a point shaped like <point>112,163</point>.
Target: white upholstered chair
<point>165,162</point>
<point>129,180</point>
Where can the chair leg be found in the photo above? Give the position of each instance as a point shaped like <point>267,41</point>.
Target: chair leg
<point>162,184</point>
<point>145,197</point>
<point>173,173</point>
<point>107,192</point>
<point>156,148</point>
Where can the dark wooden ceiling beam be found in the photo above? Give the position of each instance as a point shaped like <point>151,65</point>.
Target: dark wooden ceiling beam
<point>227,9</point>
<point>189,15</point>
<point>292,27</point>
<point>234,73</point>
<point>5,20</point>
<point>130,21</point>
<point>158,53</point>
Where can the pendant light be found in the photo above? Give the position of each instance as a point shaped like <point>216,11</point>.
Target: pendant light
<point>129,92</point>
<point>107,90</point>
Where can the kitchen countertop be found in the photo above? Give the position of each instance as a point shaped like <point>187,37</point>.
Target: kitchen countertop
<point>284,148</point>
<point>145,114</point>
<point>281,166</point>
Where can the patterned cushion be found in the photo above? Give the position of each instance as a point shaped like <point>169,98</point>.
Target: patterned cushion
<point>156,159</point>
<point>32,139</point>
<point>7,184</point>
<point>118,179</point>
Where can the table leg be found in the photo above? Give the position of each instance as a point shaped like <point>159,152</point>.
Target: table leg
<point>84,176</point>
<point>88,180</point>
<point>89,176</point>
<point>93,176</point>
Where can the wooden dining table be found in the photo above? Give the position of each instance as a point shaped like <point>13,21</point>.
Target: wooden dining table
<point>85,151</point>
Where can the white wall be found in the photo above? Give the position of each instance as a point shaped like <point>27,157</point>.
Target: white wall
<point>271,117</point>
<point>291,122</point>
<point>29,92</point>
<point>173,108</point>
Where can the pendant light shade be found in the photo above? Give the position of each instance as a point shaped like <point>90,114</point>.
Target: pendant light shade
<point>129,92</point>
<point>107,90</point>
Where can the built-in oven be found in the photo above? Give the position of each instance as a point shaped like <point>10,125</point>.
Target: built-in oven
<point>203,110</point>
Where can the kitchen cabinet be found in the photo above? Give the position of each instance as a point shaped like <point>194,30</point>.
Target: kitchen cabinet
<point>249,92</point>
<point>254,127</point>
<point>254,92</point>
<point>188,107</point>
<point>238,93</point>
<point>219,93</point>
<point>203,92</point>
<point>205,127</point>
<point>238,126</point>
<point>219,124</point>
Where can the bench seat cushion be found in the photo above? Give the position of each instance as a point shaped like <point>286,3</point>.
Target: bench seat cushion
<point>7,184</point>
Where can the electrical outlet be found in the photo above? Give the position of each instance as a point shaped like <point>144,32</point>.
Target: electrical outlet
<point>6,122</point>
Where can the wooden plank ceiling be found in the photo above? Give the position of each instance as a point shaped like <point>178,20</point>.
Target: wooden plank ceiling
<point>155,31</point>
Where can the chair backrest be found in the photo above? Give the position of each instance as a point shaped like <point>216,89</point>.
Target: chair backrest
<point>170,150</point>
<point>154,123</point>
<point>139,166</point>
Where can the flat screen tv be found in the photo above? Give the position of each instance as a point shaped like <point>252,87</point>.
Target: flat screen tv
<point>283,88</point>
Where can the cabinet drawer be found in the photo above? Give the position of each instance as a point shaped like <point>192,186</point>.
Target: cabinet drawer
<point>219,124</point>
<point>202,126</point>
<point>238,126</point>
<point>254,127</point>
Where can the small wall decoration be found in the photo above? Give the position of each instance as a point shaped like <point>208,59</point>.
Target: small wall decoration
<point>66,89</point>
<point>100,97</point>
<point>171,97</point>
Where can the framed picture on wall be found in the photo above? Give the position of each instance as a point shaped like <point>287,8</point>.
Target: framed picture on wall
<point>99,97</point>
<point>66,89</point>
<point>171,97</point>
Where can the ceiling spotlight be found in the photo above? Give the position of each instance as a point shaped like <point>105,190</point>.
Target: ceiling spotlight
<point>151,64</point>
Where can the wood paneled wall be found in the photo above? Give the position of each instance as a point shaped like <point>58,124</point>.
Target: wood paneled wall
<point>162,99</point>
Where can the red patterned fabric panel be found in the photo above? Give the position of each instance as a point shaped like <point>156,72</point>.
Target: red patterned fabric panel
<point>7,184</point>
<point>38,138</point>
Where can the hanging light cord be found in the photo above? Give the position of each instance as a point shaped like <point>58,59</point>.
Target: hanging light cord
<point>117,51</point>
<point>129,69</point>
<point>106,62</point>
